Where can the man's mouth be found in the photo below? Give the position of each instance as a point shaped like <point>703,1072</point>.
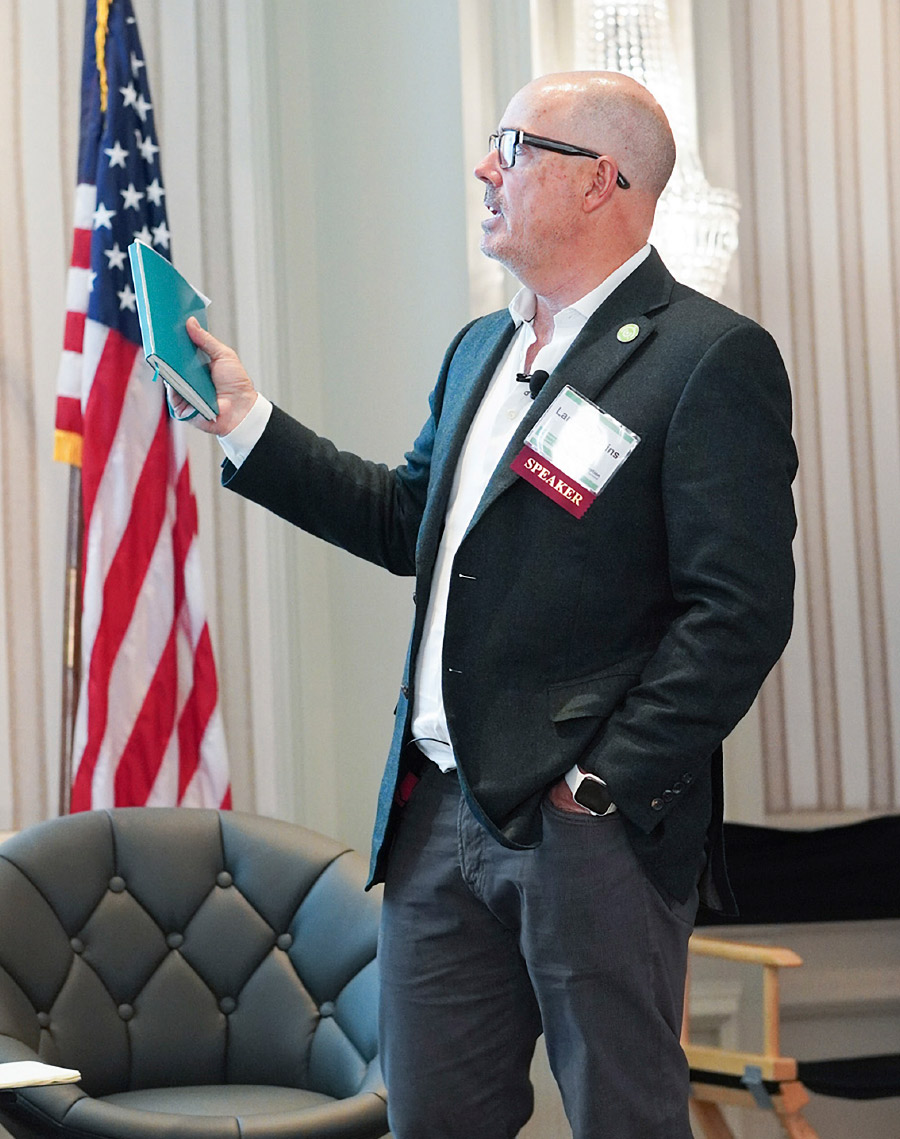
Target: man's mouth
<point>492,207</point>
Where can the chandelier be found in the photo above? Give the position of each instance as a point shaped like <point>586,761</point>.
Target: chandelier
<point>696,224</point>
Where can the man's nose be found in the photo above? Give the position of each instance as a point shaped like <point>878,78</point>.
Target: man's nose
<point>488,169</point>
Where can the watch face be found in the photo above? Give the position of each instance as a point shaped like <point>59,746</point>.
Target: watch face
<point>594,796</point>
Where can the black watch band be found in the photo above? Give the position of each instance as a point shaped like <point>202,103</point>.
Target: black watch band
<point>593,795</point>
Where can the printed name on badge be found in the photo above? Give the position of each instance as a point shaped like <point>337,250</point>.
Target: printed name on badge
<point>573,451</point>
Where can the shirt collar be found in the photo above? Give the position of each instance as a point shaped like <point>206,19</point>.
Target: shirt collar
<point>524,304</point>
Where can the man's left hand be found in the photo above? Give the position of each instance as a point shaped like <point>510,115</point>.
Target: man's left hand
<point>234,388</point>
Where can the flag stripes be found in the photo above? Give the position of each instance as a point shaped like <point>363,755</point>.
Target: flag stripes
<point>148,728</point>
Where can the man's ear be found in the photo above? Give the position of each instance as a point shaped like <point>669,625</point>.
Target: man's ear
<point>601,185</point>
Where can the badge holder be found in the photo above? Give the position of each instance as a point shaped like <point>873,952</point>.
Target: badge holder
<point>573,451</point>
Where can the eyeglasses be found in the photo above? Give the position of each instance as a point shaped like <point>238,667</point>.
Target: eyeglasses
<point>506,142</point>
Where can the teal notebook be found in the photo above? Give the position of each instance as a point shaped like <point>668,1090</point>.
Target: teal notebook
<point>165,300</point>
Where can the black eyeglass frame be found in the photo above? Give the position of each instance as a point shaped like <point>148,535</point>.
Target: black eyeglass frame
<point>494,143</point>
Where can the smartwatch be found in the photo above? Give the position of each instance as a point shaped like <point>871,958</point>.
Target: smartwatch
<point>590,791</point>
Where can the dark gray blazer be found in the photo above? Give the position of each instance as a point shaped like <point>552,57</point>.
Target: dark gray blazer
<point>630,641</point>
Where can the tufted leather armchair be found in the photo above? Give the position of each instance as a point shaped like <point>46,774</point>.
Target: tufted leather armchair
<point>211,974</point>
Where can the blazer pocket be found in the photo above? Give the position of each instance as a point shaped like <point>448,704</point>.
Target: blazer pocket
<point>596,695</point>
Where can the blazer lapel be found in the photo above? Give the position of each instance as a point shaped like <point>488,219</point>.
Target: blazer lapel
<point>474,363</point>
<point>594,358</point>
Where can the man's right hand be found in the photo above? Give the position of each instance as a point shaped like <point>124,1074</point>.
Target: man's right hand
<point>235,392</point>
<point>560,795</point>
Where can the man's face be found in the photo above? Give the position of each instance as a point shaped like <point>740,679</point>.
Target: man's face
<point>533,205</point>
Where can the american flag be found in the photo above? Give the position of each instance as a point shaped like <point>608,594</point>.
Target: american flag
<point>148,729</point>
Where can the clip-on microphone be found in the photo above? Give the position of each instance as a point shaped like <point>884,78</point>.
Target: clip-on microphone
<point>535,380</point>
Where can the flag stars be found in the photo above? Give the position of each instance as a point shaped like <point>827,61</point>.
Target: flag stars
<point>136,65</point>
<point>116,257</point>
<point>127,299</point>
<point>132,197</point>
<point>103,217</point>
<point>142,107</point>
<point>147,147</point>
<point>143,235</point>
<point>161,235</point>
<point>130,95</point>
<point>117,155</point>
<point>155,192</point>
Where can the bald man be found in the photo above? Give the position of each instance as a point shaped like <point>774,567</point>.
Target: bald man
<point>598,514</point>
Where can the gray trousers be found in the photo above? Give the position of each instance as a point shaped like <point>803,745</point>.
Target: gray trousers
<point>482,948</point>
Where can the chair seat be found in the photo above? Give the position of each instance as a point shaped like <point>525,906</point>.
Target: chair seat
<point>227,1111</point>
<point>857,1077</point>
<point>730,1080</point>
<point>220,1099</point>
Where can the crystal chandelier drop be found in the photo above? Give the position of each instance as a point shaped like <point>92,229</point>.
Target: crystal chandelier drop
<point>696,224</point>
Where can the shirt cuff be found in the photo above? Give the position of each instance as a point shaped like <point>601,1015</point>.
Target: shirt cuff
<point>238,443</point>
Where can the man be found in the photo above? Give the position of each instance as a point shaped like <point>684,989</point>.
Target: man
<point>553,795</point>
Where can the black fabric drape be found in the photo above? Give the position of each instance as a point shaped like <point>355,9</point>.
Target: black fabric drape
<point>847,873</point>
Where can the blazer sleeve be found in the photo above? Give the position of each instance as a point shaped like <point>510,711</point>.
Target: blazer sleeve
<point>363,507</point>
<point>728,464</point>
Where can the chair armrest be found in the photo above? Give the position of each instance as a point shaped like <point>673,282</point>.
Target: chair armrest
<point>771,958</point>
<point>743,951</point>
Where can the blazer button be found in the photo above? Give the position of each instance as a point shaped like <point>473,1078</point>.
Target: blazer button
<point>668,795</point>
<point>687,779</point>
<point>657,804</point>
<point>678,787</point>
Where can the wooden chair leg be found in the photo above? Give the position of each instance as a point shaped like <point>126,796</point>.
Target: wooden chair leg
<point>712,1122</point>
<point>798,1127</point>
<point>789,1109</point>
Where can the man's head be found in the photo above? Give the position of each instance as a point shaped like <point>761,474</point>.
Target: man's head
<point>559,220</point>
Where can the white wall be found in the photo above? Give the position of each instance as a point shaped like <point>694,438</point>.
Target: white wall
<point>370,259</point>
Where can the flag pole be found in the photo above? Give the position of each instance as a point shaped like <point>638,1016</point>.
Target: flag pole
<point>71,678</point>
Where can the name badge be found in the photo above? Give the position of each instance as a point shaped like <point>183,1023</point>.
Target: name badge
<point>573,451</point>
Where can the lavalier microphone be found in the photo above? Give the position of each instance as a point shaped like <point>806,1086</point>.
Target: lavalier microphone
<point>535,380</point>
